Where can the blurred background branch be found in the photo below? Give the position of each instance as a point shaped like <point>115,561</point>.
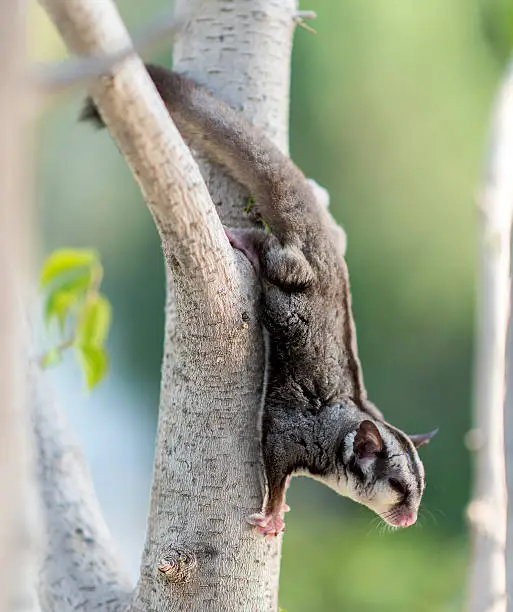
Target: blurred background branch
<point>487,511</point>
<point>58,76</point>
<point>80,565</point>
<point>19,530</point>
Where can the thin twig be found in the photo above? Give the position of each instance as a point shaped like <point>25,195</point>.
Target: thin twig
<point>306,15</point>
<point>301,17</point>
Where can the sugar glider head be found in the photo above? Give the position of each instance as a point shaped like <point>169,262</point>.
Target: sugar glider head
<point>379,466</point>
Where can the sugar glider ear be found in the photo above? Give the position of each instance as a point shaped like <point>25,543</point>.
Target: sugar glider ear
<point>420,440</point>
<point>368,440</point>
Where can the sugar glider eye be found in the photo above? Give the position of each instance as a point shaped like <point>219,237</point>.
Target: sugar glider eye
<point>397,486</point>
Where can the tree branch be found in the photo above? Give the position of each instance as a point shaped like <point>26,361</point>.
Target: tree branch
<point>192,236</point>
<point>80,568</point>
<point>487,512</point>
<point>302,17</point>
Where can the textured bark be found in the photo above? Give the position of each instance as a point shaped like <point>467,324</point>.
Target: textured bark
<point>193,239</point>
<point>192,236</point>
<point>206,479</point>
<point>207,476</point>
<point>241,50</point>
<point>80,568</point>
<point>17,512</point>
<point>487,512</point>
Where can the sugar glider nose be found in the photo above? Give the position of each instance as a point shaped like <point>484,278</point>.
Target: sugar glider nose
<point>407,520</point>
<point>403,519</point>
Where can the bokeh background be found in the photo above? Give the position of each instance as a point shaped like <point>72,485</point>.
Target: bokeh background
<point>390,108</point>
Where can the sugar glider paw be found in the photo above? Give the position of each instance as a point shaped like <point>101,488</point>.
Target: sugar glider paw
<point>248,241</point>
<point>267,524</point>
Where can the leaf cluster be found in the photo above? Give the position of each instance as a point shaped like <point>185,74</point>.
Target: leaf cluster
<point>71,279</point>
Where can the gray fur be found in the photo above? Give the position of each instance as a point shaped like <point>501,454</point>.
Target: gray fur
<point>317,418</point>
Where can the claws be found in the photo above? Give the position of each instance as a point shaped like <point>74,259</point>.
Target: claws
<point>267,525</point>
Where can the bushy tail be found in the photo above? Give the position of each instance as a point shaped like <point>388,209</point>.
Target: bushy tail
<point>282,194</point>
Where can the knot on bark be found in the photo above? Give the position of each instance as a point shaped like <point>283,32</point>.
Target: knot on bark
<point>179,565</point>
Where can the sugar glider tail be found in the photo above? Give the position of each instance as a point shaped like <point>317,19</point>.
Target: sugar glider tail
<point>282,195</point>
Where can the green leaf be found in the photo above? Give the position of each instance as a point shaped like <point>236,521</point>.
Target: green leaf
<point>94,321</point>
<point>52,358</point>
<point>94,362</point>
<point>61,300</point>
<point>71,279</point>
<point>66,260</point>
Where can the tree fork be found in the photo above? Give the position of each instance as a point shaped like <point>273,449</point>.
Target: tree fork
<point>200,554</point>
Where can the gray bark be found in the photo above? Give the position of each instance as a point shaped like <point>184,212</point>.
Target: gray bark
<point>487,512</point>
<point>207,476</point>
<point>212,376</point>
<point>80,568</point>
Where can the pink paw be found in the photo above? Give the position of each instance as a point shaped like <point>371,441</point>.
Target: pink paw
<point>242,239</point>
<point>267,525</point>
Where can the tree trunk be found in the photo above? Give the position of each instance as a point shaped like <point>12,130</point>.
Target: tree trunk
<point>487,512</point>
<point>206,479</point>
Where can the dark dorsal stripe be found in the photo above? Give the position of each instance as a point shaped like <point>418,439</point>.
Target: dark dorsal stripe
<point>407,447</point>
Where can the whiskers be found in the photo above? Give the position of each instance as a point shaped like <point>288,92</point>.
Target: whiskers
<point>385,528</point>
<point>374,526</point>
<point>392,514</point>
<point>426,513</point>
<point>379,526</point>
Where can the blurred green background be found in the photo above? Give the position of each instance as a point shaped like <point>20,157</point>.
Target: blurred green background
<point>390,107</point>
